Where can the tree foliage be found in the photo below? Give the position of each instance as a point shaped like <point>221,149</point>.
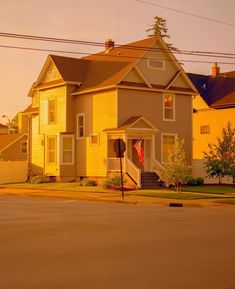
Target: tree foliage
<point>220,159</point>
<point>12,124</point>
<point>159,27</point>
<point>176,171</point>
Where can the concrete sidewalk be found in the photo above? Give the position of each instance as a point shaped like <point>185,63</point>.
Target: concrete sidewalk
<point>109,197</point>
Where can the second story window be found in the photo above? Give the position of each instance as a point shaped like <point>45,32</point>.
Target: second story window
<point>80,125</point>
<point>169,106</point>
<point>51,110</point>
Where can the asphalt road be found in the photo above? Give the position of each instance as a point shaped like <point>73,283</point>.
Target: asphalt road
<point>66,244</point>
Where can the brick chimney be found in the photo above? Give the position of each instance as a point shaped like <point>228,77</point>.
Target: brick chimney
<point>215,70</point>
<point>109,45</point>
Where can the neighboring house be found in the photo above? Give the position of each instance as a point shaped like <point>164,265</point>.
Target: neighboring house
<point>3,129</point>
<point>213,107</point>
<point>81,106</point>
<point>13,147</point>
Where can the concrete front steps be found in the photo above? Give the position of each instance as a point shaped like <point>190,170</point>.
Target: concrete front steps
<point>149,180</point>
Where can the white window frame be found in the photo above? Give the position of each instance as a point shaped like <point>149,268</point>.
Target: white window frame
<point>156,68</point>
<point>22,146</point>
<point>84,126</point>
<point>162,136</point>
<point>62,149</point>
<point>48,112</point>
<point>98,138</point>
<point>163,104</point>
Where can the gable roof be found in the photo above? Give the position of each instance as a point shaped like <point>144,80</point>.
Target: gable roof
<point>217,92</point>
<point>9,139</point>
<point>130,124</point>
<point>2,125</point>
<point>103,69</point>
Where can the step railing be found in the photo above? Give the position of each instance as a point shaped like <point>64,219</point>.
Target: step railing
<point>156,166</point>
<point>134,172</point>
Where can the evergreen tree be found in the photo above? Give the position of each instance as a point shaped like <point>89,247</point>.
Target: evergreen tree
<point>176,171</point>
<point>159,27</point>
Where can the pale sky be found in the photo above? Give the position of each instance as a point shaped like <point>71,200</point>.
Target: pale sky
<point>123,21</point>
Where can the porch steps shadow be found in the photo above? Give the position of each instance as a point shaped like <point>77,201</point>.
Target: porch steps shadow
<point>149,180</point>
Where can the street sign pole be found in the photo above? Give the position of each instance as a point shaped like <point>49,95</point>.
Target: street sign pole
<point>120,158</point>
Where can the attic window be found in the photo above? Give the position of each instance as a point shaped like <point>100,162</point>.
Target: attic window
<point>156,64</point>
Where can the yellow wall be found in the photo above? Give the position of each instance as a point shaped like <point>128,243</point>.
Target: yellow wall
<point>217,120</point>
<point>100,113</point>
<point>37,147</point>
<point>60,126</point>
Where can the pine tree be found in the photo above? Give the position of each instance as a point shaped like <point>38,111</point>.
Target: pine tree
<point>159,27</point>
<point>176,171</point>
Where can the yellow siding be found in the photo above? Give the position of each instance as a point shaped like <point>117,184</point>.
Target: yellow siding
<point>199,103</point>
<point>60,126</point>
<point>217,120</point>
<point>99,115</point>
<point>37,148</point>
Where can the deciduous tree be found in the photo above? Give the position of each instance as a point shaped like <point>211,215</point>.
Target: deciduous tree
<point>176,171</point>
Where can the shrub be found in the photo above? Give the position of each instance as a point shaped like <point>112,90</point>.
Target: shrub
<point>192,182</point>
<point>195,182</point>
<point>37,180</point>
<point>88,183</point>
<point>200,181</point>
<point>114,180</point>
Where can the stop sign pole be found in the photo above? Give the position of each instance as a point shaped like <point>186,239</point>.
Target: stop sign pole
<point>120,147</point>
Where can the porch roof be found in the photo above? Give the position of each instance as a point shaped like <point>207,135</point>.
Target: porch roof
<point>134,124</point>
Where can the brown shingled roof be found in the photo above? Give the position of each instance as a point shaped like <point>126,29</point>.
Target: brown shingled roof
<point>8,139</point>
<point>2,125</point>
<point>31,109</point>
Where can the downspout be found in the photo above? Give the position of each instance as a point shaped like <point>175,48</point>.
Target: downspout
<point>28,148</point>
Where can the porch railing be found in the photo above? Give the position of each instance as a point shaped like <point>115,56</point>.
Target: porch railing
<point>134,172</point>
<point>156,166</point>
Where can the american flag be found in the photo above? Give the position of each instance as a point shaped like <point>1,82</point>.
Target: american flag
<point>140,150</point>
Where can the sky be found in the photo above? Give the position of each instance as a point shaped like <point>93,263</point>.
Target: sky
<point>123,21</point>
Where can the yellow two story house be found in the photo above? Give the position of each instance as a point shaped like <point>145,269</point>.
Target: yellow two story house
<point>81,106</point>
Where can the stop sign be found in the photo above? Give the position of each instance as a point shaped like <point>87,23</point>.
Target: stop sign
<point>119,147</point>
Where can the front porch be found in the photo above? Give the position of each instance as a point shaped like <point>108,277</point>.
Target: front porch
<point>136,129</point>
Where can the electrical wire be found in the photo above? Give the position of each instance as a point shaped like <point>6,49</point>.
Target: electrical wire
<point>186,13</point>
<point>112,56</point>
<point>100,44</point>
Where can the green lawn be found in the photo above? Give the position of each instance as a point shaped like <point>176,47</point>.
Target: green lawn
<point>169,194</point>
<point>188,193</point>
<point>211,189</point>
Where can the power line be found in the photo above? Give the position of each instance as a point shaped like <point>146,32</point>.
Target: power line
<point>110,55</point>
<point>186,13</point>
<point>126,46</point>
